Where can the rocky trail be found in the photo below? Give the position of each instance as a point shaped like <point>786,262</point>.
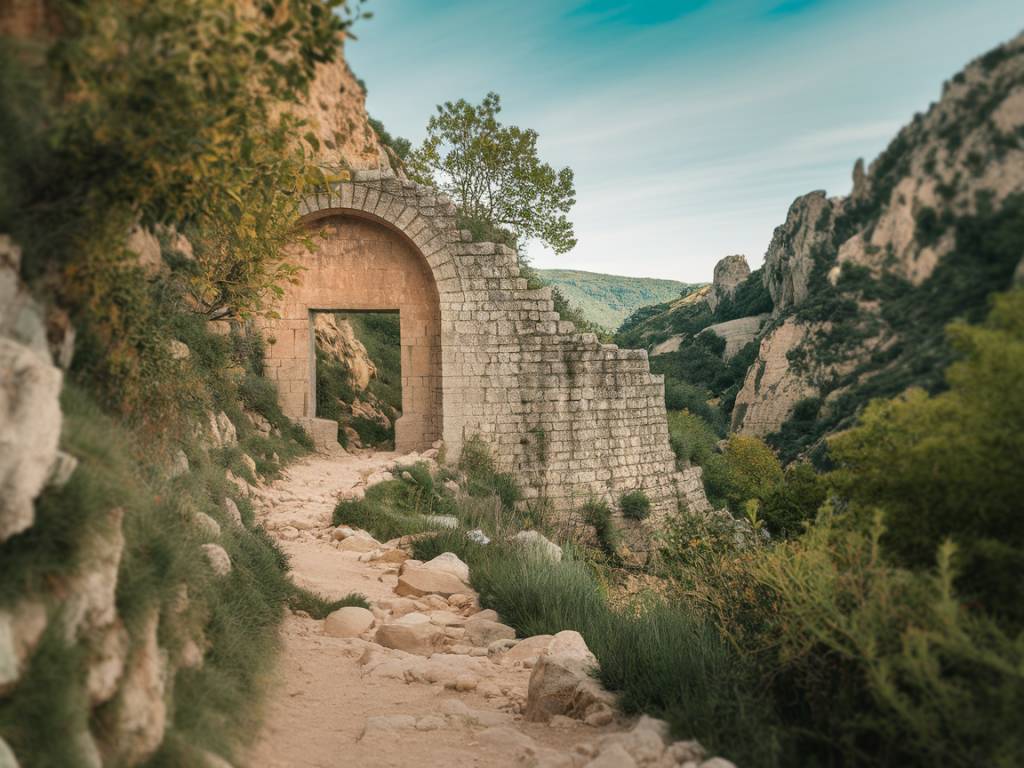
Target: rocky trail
<point>426,678</point>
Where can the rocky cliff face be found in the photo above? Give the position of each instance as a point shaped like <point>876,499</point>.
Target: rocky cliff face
<point>729,273</point>
<point>862,286</point>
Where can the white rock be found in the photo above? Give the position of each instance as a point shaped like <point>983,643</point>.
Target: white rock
<point>477,536</point>
<point>179,350</point>
<point>528,651</point>
<point>418,581</point>
<point>686,752</point>
<point>206,524</point>
<point>350,621</point>
<point>64,466</point>
<point>360,542</point>
<point>505,740</point>
<point>412,633</point>
<point>179,464</point>
<point>539,544</point>
<point>717,762</point>
<point>430,723</point>
<point>30,422</point>
<point>218,558</point>
<point>288,533</point>
<point>250,464</point>
<point>451,486</point>
<point>7,758</point>
<point>342,532</point>
<point>107,654</point>
<point>449,562</point>
<point>93,588</point>
<point>226,430</point>
<point>212,760</point>
<point>558,673</point>
<point>140,712</point>
<point>231,509</point>
<point>442,521</point>
<point>21,627</point>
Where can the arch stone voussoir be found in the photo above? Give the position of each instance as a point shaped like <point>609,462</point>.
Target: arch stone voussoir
<point>572,418</point>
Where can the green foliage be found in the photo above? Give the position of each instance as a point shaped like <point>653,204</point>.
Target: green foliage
<point>745,471</point>
<point>597,513</point>
<point>482,477</point>
<point>946,465</point>
<point>50,698</point>
<point>681,395</point>
<point>750,298</point>
<point>606,300</point>
<point>635,505</point>
<point>122,119</point>
<point>391,509</point>
<point>336,391</point>
<point>692,440</point>
<point>493,173</point>
<point>319,607</point>
<point>983,261</point>
<point>794,501</point>
<point>401,147</point>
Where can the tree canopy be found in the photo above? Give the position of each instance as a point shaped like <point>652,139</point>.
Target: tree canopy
<point>494,174</point>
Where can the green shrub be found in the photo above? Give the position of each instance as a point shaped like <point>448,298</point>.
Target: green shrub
<point>598,514</point>
<point>746,470</point>
<point>794,501</point>
<point>389,510</point>
<point>635,505</point>
<point>483,478</point>
<point>692,439</point>
<point>948,465</point>
<point>320,607</point>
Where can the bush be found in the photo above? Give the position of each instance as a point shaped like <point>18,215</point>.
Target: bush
<point>391,509</point>
<point>794,501</point>
<point>598,514</point>
<point>635,505</point>
<point>692,439</point>
<point>482,477</point>
<point>948,465</point>
<point>746,470</point>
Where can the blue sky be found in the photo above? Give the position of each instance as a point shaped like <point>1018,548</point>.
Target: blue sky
<point>691,125</point>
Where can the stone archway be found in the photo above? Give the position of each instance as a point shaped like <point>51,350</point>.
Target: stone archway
<point>361,264</point>
<point>572,418</point>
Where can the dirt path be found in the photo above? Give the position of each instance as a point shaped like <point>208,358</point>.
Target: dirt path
<point>348,701</point>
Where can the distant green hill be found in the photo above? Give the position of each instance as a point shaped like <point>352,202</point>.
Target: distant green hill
<point>609,299</point>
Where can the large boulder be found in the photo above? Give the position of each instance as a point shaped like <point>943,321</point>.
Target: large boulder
<point>21,627</point>
<point>218,559</point>
<point>416,581</point>
<point>412,633</point>
<point>483,632</point>
<point>30,421</point>
<point>449,562</point>
<point>350,621</point>
<point>561,682</point>
<point>539,544</point>
<point>91,595</point>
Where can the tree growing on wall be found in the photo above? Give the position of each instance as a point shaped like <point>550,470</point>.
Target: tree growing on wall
<point>494,174</point>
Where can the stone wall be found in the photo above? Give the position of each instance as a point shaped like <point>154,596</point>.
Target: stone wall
<point>571,417</point>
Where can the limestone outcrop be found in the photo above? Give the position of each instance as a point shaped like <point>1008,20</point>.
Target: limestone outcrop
<point>729,273</point>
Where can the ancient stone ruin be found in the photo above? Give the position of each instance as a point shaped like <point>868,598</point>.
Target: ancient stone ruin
<point>481,354</point>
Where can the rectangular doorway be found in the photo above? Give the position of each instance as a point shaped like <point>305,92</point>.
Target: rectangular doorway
<point>359,375</point>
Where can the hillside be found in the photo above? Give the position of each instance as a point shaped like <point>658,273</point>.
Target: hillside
<point>607,300</point>
<point>856,292</point>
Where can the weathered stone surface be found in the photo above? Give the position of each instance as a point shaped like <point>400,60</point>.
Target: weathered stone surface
<point>790,257</point>
<point>729,273</point>
<point>360,541</point>
<point>448,562</point>
<point>772,387</point>
<point>737,333</point>
<point>559,671</point>
<point>7,758</point>
<point>93,588</point>
<point>30,421</point>
<point>21,627</point>
<point>206,524</point>
<point>350,621</point>
<point>231,509</point>
<point>108,650</point>
<point>140,711</point>
<point>483,632</point>
<point>417,581</point>
<point>218,558</point>
<point>538,543</point>
<point>482,354</point>
<point>412,633</point>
